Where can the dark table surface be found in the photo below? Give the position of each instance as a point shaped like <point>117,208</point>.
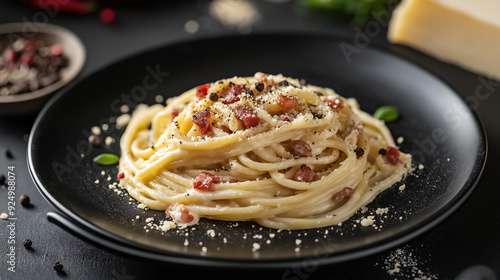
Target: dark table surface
<point>464,245</point>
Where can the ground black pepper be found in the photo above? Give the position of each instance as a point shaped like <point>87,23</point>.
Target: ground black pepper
<point>8,154</point>
<point>318,116</point>
<point>259,86</point>
<point>150,125</point>
<point>318,93</point>
<point>382,151</point>
<point>359,152</point>
<point>283,83</point>
<point>24,200</point>
<point>214,97</point>
<point>58,267</point>
<point>94,140</point>
<point>27,243</point>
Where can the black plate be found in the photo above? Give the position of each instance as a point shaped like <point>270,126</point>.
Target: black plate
<point>438,129</point>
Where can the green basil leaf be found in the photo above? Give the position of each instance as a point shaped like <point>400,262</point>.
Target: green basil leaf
<point>106,159</point>
<point>387,113</point>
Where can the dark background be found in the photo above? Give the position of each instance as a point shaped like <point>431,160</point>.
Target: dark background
<point>467,239</point>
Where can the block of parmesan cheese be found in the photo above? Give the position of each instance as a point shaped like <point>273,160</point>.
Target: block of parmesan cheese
<point>462,32</point>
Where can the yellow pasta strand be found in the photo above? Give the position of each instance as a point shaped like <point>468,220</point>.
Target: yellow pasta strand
<point>299,156</point>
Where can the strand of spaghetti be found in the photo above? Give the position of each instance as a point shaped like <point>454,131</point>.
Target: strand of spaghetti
<point>265,148</point>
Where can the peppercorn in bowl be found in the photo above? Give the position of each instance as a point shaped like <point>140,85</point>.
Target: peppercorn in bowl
<point>36,60</point>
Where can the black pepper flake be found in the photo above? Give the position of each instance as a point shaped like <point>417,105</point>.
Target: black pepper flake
<point>250,93</point>
<point>58,267</point>
<point>8,154</point>
<point>318,93</point>
<point>259,86</point>
<point>231,84</point>
<point>94,140</point>
<point>24,200</point>
<point>213,96</point>
<point>318,116</point>
<point>359,152</point>
<point>2,180</point>
<point>382,152</point>
<point>150,125</point>
<point>27,243</point>
<point>283,83</point>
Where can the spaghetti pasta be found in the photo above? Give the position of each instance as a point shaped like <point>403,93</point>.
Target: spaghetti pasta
<point>265,148</point>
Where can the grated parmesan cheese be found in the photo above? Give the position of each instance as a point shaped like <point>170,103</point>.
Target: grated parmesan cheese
<point>255,247</point>
<point>96,130</point>
<point>381,211</point>
<point>168,225</point>
<point>367,221</point>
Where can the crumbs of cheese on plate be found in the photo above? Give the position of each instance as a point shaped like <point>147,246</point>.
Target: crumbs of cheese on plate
<point>368,221</point>
<point>96,130</point>
<point>255,247</point>
<point>381,211</point>
<point>122,120</point>
<point>168,225</point>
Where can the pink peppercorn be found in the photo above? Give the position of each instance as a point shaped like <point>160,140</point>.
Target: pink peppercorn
<point>108,15</point>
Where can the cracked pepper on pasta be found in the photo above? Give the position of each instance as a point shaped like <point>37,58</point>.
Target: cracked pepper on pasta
<point>266,148</point>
